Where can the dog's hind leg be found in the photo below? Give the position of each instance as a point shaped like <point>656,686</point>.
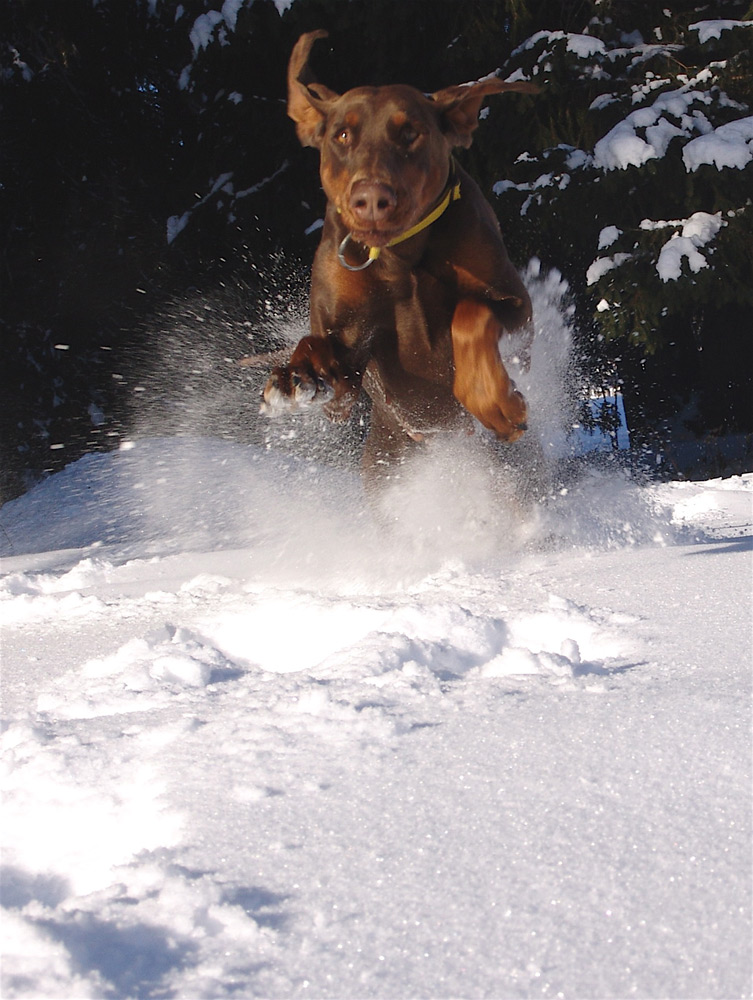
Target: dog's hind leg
<point>387,449</point>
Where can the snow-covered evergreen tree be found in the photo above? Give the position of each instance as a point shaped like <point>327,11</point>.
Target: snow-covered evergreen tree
<point>637,182</point>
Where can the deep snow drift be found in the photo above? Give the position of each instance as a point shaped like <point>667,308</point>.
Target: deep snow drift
<point>257,744</point>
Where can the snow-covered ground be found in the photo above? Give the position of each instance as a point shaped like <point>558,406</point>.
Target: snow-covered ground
<point>261,740</point>
<point>257,745</point>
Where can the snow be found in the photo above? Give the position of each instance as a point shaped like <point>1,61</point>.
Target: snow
<point>177,223</point>
<point>729,145</point>
<point>263,740</point>
<point>230,9</point>
<point>622,146</point>
<point>608,235</point>
<point>583,46</point>
<point>602,265</point>
<point>342,768</point>
<point>697,231</point>
<point>713,29</point>
<point>202,31</point>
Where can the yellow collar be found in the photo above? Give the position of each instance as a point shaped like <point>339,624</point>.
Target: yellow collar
<point>452,194</point>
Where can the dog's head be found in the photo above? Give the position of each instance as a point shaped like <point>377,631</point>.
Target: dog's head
<point>385,151</point>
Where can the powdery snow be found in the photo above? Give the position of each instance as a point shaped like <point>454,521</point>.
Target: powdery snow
<point>583,46</point>
<point>177,223</point>
<point>202,31</point>
<point>713,29</point>
<point>691,234</point>
<point>256,745</point>
<point>645,135</point>
<point>696,232</point>
<point>602,265</point>
<point>623,146</point>
<point>261,740</point>
<point>608,235</point>
<point>729,145</point>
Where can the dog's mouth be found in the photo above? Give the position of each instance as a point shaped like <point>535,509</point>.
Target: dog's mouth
<point>375,237</point>
<point>382,233</point>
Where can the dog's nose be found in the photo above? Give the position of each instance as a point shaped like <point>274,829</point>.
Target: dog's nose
<point>371,201</point>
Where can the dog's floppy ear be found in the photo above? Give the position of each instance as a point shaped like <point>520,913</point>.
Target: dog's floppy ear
<point>308,100</point>
<point>460,105</point>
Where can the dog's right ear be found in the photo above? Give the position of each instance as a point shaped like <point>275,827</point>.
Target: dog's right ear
<point>308,100</point>
<point>460,105</point>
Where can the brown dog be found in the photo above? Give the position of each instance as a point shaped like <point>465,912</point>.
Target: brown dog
<point>411,287</point>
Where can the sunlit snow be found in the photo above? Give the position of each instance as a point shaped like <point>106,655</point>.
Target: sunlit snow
<point>259,741</point>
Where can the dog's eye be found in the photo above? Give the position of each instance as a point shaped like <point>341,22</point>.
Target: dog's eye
<point>408,135</point>
<point>344,137</point>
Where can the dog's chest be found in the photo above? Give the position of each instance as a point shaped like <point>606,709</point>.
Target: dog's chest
<point>421,314</point>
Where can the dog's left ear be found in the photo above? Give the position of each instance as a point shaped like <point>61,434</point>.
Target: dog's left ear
<point>308,100</point>
<point>460,105</point>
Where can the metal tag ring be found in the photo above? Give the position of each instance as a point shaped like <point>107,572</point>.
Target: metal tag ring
<point>343,261</point>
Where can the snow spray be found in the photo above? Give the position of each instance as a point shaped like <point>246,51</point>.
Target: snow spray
<point>461,498</point>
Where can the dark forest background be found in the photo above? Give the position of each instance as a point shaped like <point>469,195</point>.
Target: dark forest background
<point>159,216</point>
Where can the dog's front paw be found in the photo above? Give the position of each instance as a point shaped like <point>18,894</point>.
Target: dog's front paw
<point>292,388</point>
<point>509,420</point>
